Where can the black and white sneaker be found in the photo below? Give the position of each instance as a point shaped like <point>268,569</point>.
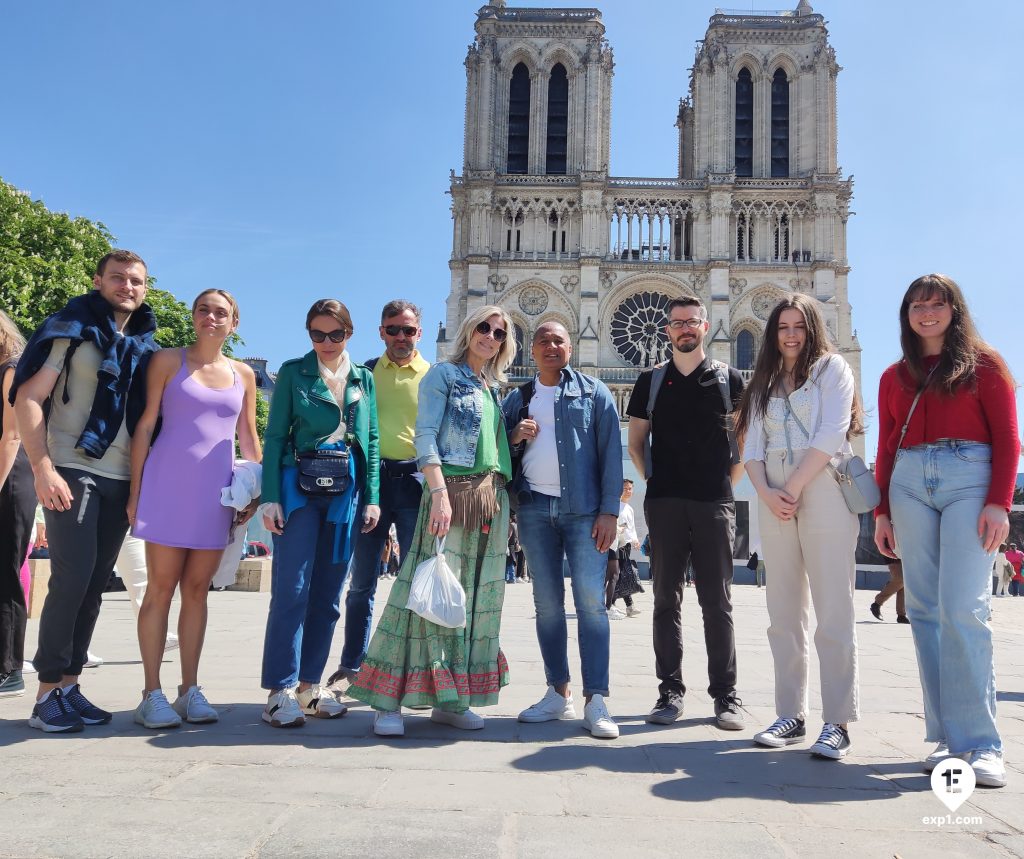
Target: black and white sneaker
<point>833,742</point>
<point>54,715</point>
<point>782,732</point>
<point>90,713</point>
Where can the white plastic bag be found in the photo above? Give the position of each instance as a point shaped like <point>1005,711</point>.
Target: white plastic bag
<point>436,594</point>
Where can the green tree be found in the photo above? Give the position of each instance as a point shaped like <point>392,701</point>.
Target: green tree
<point>47,258</point>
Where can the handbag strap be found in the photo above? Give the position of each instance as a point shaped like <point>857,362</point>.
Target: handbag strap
<point>913,405</point>
<point>828,466</point>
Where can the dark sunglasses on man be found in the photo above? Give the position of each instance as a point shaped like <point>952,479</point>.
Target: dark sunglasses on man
<point>394,330</point>
<point>336,336</point>
<point>499,334</point>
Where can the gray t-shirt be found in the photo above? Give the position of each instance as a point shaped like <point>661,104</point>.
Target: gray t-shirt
<point>67,420</point>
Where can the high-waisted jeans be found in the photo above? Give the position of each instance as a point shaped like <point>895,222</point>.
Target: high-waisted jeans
<point>936,495</point>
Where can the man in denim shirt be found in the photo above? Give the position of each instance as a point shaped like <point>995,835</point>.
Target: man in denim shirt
<point>568,494</point>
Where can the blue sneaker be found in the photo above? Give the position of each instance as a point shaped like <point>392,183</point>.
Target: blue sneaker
<point>54,715</point>
<point>90,713</point>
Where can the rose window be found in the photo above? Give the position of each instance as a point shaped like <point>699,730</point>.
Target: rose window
<point>638,329</point>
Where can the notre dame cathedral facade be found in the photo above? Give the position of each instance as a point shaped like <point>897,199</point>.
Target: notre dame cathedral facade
<point>757,206</point>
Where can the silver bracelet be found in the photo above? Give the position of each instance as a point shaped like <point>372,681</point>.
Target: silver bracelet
<point>439,489</point>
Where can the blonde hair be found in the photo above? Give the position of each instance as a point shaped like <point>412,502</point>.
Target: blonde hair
<point>11,342</point>
<point>494,369</point>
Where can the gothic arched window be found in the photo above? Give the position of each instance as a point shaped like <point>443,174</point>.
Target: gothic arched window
<point>521,357</point>
<point>746,350</point>
<point>744,123</point>
<point>780,124</point>
<point>742,238</point>
<point>638,329</point>
<point>519,120</point>
<point>782,238</point>
<point>558,121</point>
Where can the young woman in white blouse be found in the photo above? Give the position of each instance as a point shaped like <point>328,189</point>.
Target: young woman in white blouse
<point>798,412</point>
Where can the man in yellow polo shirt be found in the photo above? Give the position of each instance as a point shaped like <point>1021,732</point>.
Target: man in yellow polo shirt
<point>396,377</point>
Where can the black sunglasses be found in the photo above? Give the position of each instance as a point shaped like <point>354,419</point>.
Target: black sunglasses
<point>337,336</point>
<point>407,330</point>
<point>499,334</point>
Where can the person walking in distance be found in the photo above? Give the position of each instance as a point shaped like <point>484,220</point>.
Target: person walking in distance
<point>681,440</point>
<point>568,504</point>
<point>87,359</point>
<point>396,379</point>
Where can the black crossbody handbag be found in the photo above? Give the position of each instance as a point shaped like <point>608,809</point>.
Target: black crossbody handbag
<point>326,471</point>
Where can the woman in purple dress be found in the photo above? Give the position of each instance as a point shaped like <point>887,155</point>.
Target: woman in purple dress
<point>202,398</point>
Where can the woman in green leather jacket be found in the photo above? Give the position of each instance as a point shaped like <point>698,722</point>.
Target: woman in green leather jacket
<point>321,401</point>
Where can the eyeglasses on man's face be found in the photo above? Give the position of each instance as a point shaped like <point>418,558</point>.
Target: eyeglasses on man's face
<point>499,334</point>
<point>395,330</point>
<point>336,336</point>
<point>693,322</point>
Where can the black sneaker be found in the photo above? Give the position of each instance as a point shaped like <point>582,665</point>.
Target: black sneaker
<point>727,712</point>
<point>90,713</point>
<point>782,732</point>
<point>902,618</point>
<point>54,715</point>
<point>667,709</point>
<point>833,742</point>
<point>11,685</point>
<point>876,610</point>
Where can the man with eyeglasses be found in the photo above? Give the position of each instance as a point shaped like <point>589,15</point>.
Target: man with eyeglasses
<point>396,377</point>
<point>566,429</point>
<point>680,439</point>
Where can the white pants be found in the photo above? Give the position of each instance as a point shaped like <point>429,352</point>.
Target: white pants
<point>811,558</point>
<point>131,567</point>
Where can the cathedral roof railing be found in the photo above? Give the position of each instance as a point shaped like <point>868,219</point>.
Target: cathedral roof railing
<point>758,18</point>
<point>531,15</point>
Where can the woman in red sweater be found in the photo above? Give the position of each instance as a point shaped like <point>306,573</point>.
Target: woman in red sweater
<point>946,465</point>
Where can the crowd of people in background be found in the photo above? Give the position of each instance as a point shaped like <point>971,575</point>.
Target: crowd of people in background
<point>368,471</point>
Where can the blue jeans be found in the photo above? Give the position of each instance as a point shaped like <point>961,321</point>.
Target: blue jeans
<point>547,535</point>
<point>305,590</point>
<point>399,503</point>
<point>936,495</point>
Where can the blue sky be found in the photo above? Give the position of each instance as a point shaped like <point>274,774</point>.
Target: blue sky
<point>289,152</point>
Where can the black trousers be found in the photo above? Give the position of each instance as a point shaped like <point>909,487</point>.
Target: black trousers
<point>84,542</point>
<point>17,510</point>
<point>704,532</point>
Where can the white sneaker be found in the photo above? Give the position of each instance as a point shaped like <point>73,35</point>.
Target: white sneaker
<point>988,768</point>
<point>92,660</point>
<point>616,613</point>
<point>552,706</point>
<point>936,757</point>
<point>193,707</point>
<point>27,667</point>
<point>467,720</point>
<point>388,723</point>
<point>155,712</point>
<point>321,703</point>
<point>632,611</point>
<point>597,721</point>
<point>282,710</point>
<point>171,642</point>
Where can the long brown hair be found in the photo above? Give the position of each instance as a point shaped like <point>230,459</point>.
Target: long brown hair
<point>962,347</point>
<point>768,369</point>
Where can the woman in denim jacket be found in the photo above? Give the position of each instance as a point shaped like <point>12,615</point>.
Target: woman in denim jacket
<point>321,400</point>
<point>463,452</point>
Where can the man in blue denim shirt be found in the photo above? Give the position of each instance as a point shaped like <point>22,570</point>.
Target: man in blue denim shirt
<point>568,493</point>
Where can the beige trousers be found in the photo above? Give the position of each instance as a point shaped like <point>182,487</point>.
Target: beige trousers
<point>811,558</point>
